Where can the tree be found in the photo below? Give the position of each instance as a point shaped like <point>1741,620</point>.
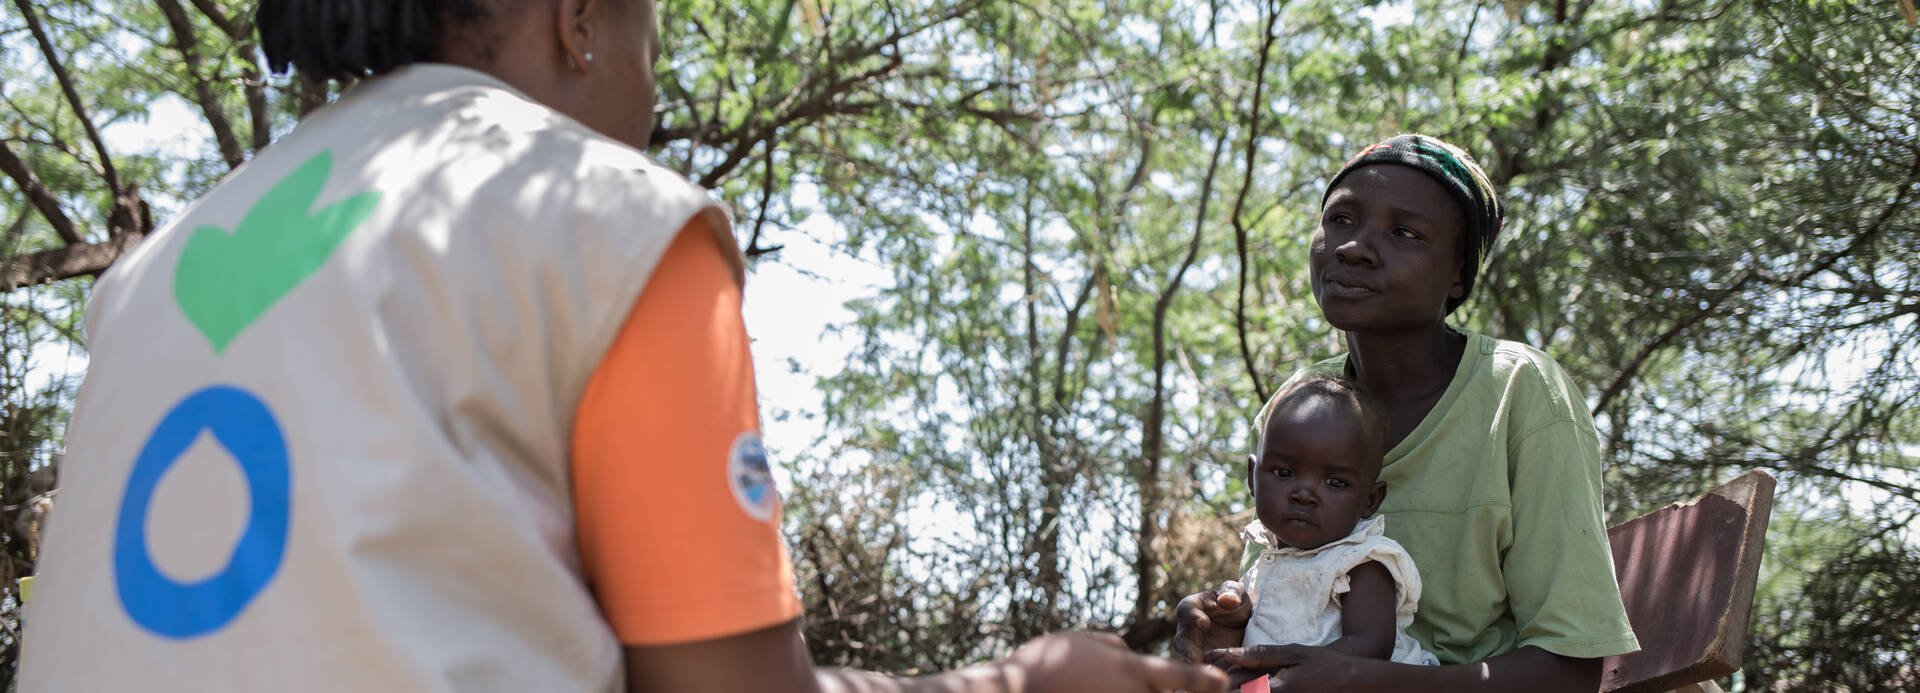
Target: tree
<point>1096,216</point>
<point>1712,228</point>
<point>32,415</point>
<point>1771,261</point>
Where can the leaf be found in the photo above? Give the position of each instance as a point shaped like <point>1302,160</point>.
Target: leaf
<point>1106,312</point>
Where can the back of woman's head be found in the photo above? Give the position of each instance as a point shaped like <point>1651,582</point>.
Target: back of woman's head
<point>349,39</point>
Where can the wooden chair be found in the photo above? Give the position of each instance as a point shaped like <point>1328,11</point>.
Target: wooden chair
<point>1687,574</point>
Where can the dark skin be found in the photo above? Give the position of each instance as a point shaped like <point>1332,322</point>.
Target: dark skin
<point>1383,263</point>
<point>1385,259</point>
<point>1317,473</point>
<point>776,658</point>
<point>1315,477</point>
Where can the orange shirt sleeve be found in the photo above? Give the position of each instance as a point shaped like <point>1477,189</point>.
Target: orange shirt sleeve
<point>675,510</point>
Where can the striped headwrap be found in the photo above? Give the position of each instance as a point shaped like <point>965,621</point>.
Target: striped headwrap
<point>1457,172</point>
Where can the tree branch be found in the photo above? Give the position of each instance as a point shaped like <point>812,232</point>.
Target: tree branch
<point>1878,226</point>
<point>14,230</point>
<point>187,42</point>
<point>37,194</point>
<point>820,104</point>
<point>256,88</point>
<point>1153,442</point>
<point>1240,205</point>
<point>240,31</point>
<point>1065,343</point>
<point>64,263</point>
<point>108,172</point>
<point>766,199</point>
<point>236,30</point>
<point>1043,544</point>
<point>1657,343</point>
<point>816,104</point>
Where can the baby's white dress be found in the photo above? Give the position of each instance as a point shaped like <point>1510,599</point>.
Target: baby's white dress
<point>1296,593</point>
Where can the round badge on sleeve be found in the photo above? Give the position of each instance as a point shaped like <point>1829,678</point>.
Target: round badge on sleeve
<point>750,478</point>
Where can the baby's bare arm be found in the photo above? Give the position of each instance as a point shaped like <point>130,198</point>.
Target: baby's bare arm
<point>1366,612</point>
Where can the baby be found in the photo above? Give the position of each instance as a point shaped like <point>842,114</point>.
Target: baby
<point>1325,574</point>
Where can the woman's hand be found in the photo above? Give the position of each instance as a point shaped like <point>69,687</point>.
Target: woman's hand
<point>1071,662</point>
<point>1303,668</point>
<point>1211,620</point>
<point>1293,667</point>
<point>1057,663</point>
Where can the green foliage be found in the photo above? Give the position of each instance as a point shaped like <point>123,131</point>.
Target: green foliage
<point>35,394</point>
<point>1095,215</point>
<point>1712,228</point>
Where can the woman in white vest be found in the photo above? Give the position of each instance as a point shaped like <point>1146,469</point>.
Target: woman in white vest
<point>447,390</point>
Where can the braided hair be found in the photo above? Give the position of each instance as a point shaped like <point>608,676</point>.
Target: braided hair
<point>345,40</point>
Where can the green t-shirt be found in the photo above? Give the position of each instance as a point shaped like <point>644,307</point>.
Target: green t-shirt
<point>1497,497</point>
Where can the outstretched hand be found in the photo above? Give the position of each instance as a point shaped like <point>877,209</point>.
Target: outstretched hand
<point>1211,620</point>
<point>1102,662</point>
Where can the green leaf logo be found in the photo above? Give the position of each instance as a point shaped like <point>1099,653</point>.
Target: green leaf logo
<point>225,281</point>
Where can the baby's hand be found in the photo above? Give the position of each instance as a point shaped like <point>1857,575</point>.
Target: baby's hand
<point>1209,620</point>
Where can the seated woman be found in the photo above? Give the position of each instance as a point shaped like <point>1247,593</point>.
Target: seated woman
<point>1493,458</point>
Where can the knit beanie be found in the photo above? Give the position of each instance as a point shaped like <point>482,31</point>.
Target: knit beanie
<point>1457,172</point>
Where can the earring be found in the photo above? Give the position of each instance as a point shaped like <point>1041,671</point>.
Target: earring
<point>571,65</point>
<point>589,57</point>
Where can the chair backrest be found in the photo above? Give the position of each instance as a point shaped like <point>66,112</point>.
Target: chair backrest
<point>1687,574</point>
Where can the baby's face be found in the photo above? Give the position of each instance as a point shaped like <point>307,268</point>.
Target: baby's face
<point>1315,474</point>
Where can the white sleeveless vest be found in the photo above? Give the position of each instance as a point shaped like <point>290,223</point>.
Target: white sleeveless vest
<point>1297,594</point>
<point>323,440</point>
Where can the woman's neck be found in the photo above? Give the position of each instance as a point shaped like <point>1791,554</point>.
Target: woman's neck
<point>1402,367</point>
